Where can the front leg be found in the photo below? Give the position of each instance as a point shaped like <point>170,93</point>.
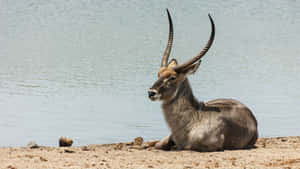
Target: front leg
<point>166,143</point>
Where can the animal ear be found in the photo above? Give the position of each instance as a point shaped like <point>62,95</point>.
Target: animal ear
<point>172,63</point>
<point>191,69</point>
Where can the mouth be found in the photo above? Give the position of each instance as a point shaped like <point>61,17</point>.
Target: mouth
<point>154,98</point>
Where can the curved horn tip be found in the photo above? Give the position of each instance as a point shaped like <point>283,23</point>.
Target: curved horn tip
<point>168,11</point>
<point>212,21</point>
<point>203,52</point>
<point>210,17</point>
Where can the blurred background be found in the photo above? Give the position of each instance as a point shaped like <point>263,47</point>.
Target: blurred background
<point>81,69</point>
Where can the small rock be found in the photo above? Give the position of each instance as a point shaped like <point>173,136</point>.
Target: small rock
<point>11,167</point>
<point>283,139</point>
<point>85,148</point>
<point>65,142</point>
<point>129,144</point>
<point>32,145</point>
<point>119,146</point>
<point>29,156</point>
<point>138,141</point>
<point>43,159</point>
<point>217,165</point>
<point>69,151</point>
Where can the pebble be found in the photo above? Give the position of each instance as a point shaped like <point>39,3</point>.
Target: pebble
<point>69,151</point>
<point>11,167</point>
<point>138,141</point>
<point>65,142</point>
<point>43,159</point>
<point>32,145</point>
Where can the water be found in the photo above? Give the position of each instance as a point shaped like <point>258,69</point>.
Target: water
<point>81,69</point>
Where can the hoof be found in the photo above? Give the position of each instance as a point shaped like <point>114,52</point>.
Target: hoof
<point>162,146</point>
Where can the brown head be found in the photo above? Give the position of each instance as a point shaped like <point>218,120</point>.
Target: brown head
<point>171,75</point>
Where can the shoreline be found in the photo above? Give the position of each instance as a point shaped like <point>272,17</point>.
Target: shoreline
<point>273,152</point>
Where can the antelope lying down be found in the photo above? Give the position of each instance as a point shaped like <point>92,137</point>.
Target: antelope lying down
<point>215,125</point>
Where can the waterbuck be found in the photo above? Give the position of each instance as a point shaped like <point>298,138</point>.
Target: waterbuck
<point>201,126</point>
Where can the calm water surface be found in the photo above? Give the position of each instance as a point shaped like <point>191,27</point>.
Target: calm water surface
<point>81,69</point>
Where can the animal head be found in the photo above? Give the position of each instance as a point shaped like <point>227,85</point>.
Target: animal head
<point>171,75</point>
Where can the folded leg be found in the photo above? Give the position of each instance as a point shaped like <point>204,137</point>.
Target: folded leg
<point>165,144</point>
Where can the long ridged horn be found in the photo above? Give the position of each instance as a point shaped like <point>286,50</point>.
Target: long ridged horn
<point>203,52</point>
<point>165,58</point>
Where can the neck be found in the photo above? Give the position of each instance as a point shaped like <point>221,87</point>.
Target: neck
<point>183,97</point>
<point>180,108</point>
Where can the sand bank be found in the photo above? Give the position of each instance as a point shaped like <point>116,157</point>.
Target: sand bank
<point>279,152</point>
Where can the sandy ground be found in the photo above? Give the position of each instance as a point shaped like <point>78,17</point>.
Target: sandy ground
<point>280,152</point>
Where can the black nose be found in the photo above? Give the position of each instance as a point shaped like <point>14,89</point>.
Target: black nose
<point>151,93</point>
